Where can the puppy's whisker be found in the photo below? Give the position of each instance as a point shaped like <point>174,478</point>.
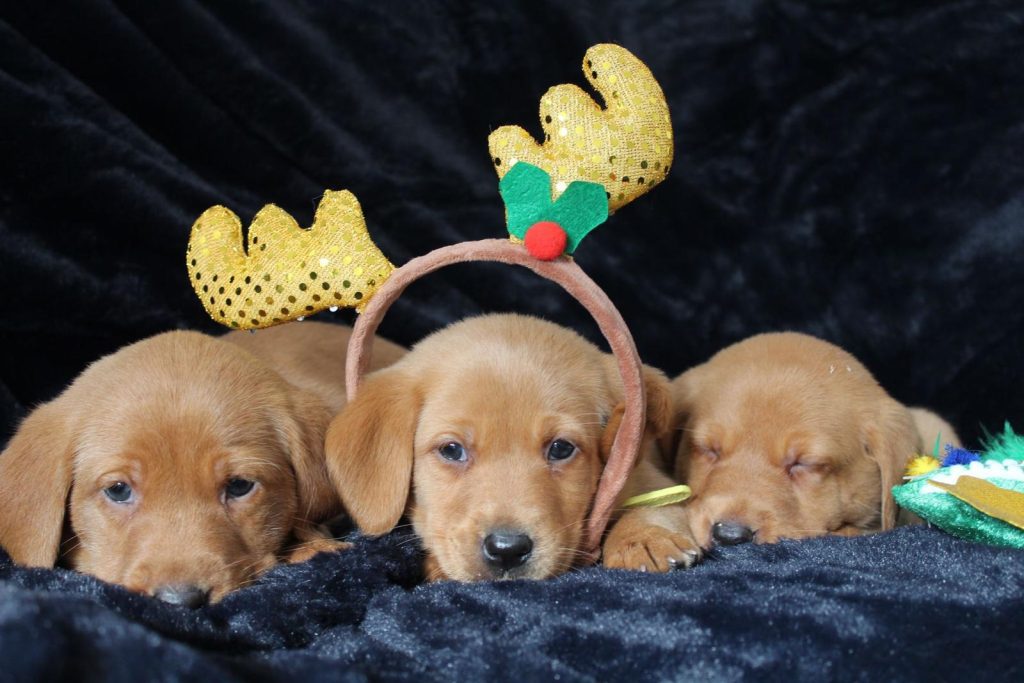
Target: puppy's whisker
<point>245,560</point>
<point>578,522</point>
<point>73,548</point>
<point>250,567</point>
<point>574,552</point>
<point>297,520</point>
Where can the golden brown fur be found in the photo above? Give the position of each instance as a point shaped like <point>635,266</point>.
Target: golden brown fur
<point>176,417</point>
<point>789,436</point>
<point>503,388</point>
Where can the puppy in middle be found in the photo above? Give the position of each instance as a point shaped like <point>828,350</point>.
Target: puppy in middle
<point>493,434</point>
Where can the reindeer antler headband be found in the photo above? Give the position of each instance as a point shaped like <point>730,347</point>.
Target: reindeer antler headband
<point>593,161</point>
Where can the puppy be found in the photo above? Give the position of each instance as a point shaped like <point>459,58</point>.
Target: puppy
<point>492,434</point>
<point>185,463</point>
<point>787,436</point>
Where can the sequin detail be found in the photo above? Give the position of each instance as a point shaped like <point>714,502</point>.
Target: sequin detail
<point>338,241</point>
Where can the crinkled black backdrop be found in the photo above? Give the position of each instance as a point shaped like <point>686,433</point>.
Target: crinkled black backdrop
<point>852,169</point>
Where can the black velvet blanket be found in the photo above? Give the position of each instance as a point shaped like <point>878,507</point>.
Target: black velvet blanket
<point>913,604</point>
<point>852,169</point>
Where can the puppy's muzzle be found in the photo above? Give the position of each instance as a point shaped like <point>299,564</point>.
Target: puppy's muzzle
<point>185,595</point>
<point>505,550</point>
<point>731,533</point>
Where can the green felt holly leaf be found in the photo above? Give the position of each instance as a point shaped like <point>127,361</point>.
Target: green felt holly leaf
<point>526,191</point>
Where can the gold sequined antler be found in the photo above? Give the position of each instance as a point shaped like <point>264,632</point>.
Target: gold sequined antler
<point>626,147</point>
<point>284,272</point>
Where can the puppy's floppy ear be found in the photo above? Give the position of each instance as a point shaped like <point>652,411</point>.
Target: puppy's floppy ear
<point>304,433</point>
<point>370,449</point>
<point>890,439</point>
<point>35,479</point>
<point>683,393</point>
<point>659,408</point>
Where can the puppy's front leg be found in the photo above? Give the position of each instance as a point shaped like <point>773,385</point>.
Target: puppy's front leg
<point>311,539</point>
<point>650,539</point>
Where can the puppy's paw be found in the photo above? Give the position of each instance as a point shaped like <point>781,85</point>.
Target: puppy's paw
<point>306,550</point>
<point>650,549</point>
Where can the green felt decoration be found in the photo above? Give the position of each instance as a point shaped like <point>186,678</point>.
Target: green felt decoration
<point>1002,464</point>
<point>526,191</point>
<point>1006,446</point>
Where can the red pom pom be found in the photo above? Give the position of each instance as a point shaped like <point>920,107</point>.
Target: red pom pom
<point>546,240</point>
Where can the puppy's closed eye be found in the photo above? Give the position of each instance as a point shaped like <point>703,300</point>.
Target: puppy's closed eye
<point>709,452</point>
<point>806,468</point>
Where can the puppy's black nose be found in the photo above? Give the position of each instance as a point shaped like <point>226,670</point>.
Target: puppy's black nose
<point>731,533</point>
<point>183,594</point>
<point>507,549</point>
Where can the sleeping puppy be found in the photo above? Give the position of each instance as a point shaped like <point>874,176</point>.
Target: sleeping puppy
<point>492,434</point>
<point>185,464</point>
<point>787,436</point>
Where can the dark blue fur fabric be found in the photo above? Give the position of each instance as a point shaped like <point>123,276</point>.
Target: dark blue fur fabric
<point>853,169</point>
<point>913,604</point>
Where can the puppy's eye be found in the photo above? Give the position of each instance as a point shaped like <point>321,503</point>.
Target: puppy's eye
<point>453,451</point>
<point>560,449</point>
<point>709,452</point>
<point>798,468</point>
<point>119,492</point>
<point>238,487</point>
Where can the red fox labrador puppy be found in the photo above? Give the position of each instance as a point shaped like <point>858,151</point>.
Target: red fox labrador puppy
<point>187,464</point>
<point>786,436</point>
<point>492,434</point>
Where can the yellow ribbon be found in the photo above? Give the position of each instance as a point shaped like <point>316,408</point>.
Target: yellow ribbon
<point>659,498</point>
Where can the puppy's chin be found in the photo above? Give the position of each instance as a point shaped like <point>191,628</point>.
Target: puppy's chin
<point>764,529</point>
<point>465,568</point>
<point>465,562</point>
<point>216,579</point>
